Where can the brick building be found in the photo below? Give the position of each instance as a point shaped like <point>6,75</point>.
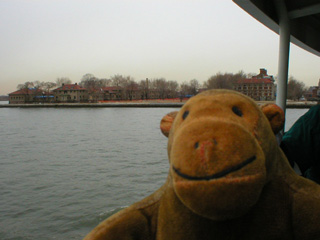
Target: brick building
<point>260,87</point>
<point>313,93</point>
<point>112,93</point>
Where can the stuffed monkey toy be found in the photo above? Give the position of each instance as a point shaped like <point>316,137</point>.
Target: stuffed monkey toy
<point>228,179</point>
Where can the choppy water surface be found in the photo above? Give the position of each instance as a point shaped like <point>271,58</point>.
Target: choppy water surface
<point>62,171</point>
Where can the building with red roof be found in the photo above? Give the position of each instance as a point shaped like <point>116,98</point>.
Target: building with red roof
<point>260,87</point>
<point>30,95</point>
<point>71,93</point>
<point>112,93</point>
<point>130,92</point>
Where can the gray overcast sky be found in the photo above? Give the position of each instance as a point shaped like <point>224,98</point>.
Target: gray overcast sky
<point>175,39</point>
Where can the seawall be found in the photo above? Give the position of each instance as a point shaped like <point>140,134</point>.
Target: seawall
<point>131,105</point>
<point>95,105</point>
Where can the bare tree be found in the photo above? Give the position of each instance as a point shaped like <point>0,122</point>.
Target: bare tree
<point>194,86</point>
<point>62,80</point>
<point>224,81</point>
<point>217,81</point>
<point>25,85</point>
<point>295,89</point>
<point>185,90</point>
<point>87,76</point>
<point>127,83</point>
<point>35,85</point>
<point>118,80</point>
<point>89,81</point>
<point>105,82</point>
<point>161,86</point>
<point>173,89</point>
<point>239,75</point>
<point>48,86</point>
<point>131,89</point>
<point>144,88</point>
<point>93,86</point>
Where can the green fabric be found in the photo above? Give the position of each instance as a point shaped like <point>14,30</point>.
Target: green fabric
<point>302,143</point>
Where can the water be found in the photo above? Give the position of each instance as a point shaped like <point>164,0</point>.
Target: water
<point>62,171</point>
<point>292,115</point>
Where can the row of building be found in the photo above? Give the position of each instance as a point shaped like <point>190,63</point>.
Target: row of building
<point>74,93</point>
<point>67,93</point>
<point>260,87</point>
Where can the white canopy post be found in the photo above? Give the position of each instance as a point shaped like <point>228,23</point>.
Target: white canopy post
<point>284,49</point>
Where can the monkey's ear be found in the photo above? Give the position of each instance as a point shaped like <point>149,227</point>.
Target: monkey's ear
<point>275,116</point>
<point>166,122</point>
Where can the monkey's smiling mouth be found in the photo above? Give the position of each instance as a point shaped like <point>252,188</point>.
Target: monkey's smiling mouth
<point>216,175</point>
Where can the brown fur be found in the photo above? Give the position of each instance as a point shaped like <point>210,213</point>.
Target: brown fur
<point>228,179</point>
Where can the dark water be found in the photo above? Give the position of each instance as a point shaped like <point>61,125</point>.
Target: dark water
<point>62,171</point>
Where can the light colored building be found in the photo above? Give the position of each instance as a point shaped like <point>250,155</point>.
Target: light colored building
<point>260,87</point>
<point>71,93</point>
<point>30,95</point>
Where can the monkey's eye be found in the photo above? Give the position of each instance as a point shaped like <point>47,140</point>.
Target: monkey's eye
<point>237,111</point>
<point>185,115</point>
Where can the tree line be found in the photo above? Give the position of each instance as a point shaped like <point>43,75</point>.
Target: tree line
<point>165,88</point>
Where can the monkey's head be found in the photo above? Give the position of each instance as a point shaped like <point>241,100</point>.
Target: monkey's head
<point>221,149</point>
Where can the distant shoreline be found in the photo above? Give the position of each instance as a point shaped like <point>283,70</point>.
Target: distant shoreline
<point>136,104</point>
<point>94,105</point>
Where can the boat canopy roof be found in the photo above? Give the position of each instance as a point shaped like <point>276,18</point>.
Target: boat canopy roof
<point>296,21</point>
<point>303,15</point>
